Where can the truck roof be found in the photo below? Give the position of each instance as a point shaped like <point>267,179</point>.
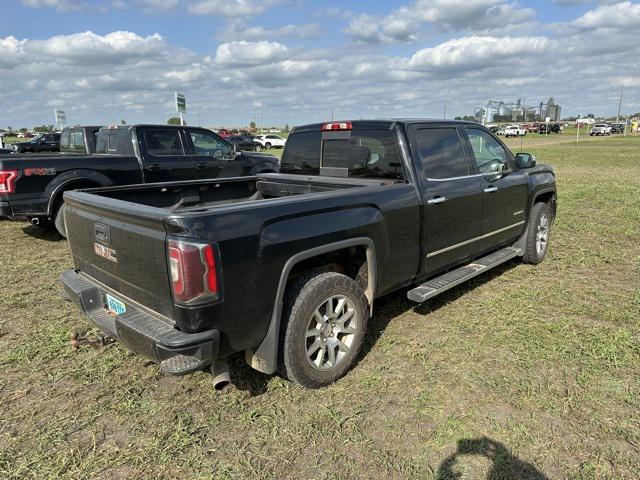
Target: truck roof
<point>383,123</point>
<point>139,125</point>
<point>76,127</point>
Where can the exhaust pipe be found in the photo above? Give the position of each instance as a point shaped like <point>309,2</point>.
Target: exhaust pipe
<point>220,372</point>
<point>35,221</point>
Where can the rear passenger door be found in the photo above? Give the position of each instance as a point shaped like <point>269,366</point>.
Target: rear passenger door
<point>452,196</point>
<point>504,189</point>
<point>163,155</point>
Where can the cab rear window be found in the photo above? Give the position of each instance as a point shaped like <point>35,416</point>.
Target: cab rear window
<point>361,153</point>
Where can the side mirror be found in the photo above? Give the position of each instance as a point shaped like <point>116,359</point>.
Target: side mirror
<point>526,160</point>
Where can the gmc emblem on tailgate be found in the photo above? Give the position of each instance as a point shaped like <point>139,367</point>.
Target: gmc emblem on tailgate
<point>105,252</point>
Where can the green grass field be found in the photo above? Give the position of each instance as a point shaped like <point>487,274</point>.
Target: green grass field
<point>524,373</point>
<point>9,140</point>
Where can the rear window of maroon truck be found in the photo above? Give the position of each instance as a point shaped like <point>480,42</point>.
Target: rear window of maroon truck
<point>365,153</point>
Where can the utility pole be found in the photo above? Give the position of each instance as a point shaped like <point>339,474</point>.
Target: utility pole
<point>620,104</point>
<point>332,113</point>
<point>444,115</point>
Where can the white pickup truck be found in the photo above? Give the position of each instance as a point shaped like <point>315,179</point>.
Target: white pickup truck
<point>514,131</point>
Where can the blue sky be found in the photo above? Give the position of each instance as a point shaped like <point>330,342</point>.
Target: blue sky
<point>280,61</point>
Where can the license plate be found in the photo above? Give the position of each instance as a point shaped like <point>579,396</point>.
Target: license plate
<point>115,306</point>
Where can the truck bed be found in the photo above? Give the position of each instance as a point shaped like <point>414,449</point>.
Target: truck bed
<point>200,195</point>
<point>245,216</point>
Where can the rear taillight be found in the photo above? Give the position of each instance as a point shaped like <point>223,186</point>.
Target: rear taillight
<point>337,126</point>
<point>193,272</point>
<point>8,180</point>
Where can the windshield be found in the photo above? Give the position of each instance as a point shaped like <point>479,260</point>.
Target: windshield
<point>36,138</point>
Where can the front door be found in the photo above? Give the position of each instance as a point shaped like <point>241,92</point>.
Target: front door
<point>163,155</point>
<point>213,156</point>
<point>452,197</point>
<point>504,187</point>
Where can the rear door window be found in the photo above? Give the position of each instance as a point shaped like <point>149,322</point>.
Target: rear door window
<point>441,152</point>
<point>163,142</point>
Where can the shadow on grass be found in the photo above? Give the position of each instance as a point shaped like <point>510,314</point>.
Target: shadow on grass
<point>504,465</point>
<point>385,309</point>
<point>43,233</point>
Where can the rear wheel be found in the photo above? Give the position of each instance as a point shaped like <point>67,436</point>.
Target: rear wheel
<point>267,145</point>
<point>538,233</point>
<point>324,321</point>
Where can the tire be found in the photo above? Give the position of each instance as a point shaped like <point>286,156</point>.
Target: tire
<point>258,148</point>
<point>267,145</point>
<point>59,221</point>
<point>538,231</point>
<point>305,311</point>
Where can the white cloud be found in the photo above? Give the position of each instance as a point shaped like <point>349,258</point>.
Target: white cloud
<point>250,53</point>
<point>92,48</point>
<point>370,29</point>
<point>60,5</point>
<point>230,8</point>
<point>619,16</point>
<point>239,30</point>
<point>10,51</point>
<point>156,6</point>
<point>473,53</point>
<point>405,23</point>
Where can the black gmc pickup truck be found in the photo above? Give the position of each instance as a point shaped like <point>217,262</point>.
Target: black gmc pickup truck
<point>31,187</point>
<point>285,267</point>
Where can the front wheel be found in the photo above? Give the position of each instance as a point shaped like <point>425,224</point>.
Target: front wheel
<point>323,327</point>
<point>267,145</point>
<point>538,233</point>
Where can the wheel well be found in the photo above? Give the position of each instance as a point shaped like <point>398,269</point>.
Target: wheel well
<point>56,201</point>
<point>550,199</point>
<point>352,261</point>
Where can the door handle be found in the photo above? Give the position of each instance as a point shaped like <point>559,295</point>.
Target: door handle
<point>155,167</point>
<point>490,189</point>
<point>436,200</point>
<point>202,165</point>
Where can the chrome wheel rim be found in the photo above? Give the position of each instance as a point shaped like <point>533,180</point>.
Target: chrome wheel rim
<point>542,234</point>
<point>331,332</point>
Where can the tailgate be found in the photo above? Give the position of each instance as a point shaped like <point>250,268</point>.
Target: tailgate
<point>121,245</point>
